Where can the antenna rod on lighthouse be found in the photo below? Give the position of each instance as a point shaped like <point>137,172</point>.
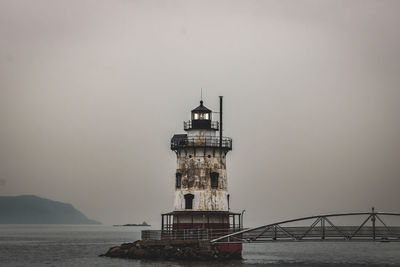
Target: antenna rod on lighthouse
<point>220,121</point>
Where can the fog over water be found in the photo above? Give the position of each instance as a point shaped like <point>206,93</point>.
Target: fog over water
<point>92,91</point>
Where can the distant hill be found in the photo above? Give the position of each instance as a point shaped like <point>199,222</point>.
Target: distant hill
<point>29,209</point>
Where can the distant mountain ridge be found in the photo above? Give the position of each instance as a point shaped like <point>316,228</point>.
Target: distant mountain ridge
<point>30,209</point>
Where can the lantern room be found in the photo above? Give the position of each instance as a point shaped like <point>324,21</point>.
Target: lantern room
<point>201,113</point>
<point>201,119</point>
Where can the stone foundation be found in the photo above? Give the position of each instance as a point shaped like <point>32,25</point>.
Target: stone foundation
<point>194,250</point>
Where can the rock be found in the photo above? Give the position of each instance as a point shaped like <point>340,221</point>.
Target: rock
<point>170,250</point>
<point>141,253</point>
<point>114,252</point>
<point>132,250</point>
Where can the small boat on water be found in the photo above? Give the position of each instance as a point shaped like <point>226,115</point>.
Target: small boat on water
<point>133,224</point>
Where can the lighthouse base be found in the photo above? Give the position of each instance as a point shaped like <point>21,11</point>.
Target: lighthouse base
<point>203,226</point>
<point>188,250</point>
<point>216,220</point>
<point>233,249</point>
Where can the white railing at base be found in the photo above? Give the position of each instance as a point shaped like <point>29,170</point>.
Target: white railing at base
<point>187,234</point>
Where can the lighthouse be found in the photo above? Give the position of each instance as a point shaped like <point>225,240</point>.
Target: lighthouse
<point>201,197</point>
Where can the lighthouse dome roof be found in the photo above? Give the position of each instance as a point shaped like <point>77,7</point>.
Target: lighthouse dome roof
<point>201,109</point>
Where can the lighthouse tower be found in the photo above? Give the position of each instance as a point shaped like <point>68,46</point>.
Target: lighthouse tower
<point>201,198</point>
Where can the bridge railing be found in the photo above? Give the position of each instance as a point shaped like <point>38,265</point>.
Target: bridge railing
<point>320,227</point>
<point>320,233</point>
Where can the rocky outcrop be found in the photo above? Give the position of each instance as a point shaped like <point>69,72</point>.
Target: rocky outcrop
<point>196,250</point>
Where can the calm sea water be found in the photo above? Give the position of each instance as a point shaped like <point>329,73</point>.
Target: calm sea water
<point>77,245</point>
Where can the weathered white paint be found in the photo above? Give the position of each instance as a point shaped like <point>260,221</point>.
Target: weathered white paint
<point>195,167</point>
<point>204,200</point>
<point>200,133</point>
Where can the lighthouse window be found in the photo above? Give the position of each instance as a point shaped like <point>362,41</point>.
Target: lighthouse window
<point>214,179</point>
<point>189,201</point>
<point>178,180</point>
<point>201,116</point>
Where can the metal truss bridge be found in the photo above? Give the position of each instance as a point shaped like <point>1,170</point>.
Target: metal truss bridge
<point>374,226</point>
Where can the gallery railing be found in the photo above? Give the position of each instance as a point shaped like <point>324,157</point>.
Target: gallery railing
<point>211,141</point>
<point>187,234</point>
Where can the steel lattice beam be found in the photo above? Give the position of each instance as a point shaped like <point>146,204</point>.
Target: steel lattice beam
<point>321,229</point>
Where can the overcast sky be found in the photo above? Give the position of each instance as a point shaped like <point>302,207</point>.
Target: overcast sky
<point>92,91</point>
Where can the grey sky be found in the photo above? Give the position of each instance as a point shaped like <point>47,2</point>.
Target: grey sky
<point>92,91</point>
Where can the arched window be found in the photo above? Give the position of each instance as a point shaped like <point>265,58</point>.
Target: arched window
<point>178,180</point>
<point>214,179</point>
<point>189,201</point>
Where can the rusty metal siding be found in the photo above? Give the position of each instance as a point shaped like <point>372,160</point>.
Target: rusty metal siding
<point>195,167</point>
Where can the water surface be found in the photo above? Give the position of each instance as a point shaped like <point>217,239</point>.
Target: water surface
<point>80,245</point>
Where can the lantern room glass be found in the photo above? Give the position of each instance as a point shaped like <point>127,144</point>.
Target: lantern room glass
<point>201,116</point>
